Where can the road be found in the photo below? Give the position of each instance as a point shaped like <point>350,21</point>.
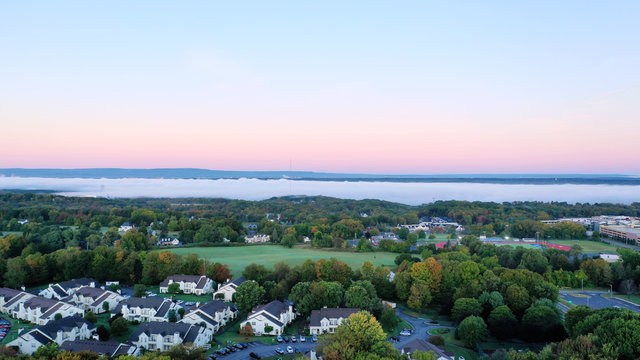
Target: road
<point>421,331</point>
<point>595,300</point>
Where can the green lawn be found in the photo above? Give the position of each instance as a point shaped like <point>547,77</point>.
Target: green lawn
<point>230,336</point>
<point>238,257</point>
<point>588,246</point>
<point>7,233</point>
<point>103,319</point>
<point>633,298</point>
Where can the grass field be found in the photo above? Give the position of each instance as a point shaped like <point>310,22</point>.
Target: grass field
<point>588,246</point>
<point>240,256</point>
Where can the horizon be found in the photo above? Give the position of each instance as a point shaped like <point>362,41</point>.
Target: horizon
<point>362,87</point>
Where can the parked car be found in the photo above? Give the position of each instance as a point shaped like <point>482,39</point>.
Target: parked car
<point>231,348</point>
<point>294,339</point>
<point>238,346</point>
<point>314,338</point>
<point>244,345</point>
<point>395,338</point>
<point>286,339</point>
<point>255,356</point>
<point>303,339</point>
<point>212,357</point>
<point>279,351</point>
<point>289,349</point>
<point>405,332</point>
<point>280,339</point>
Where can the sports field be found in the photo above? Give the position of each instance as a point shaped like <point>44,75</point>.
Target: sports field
<point>588,246</point>
<point>238,257</point>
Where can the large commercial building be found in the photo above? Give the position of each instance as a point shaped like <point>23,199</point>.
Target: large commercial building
<point>621,233</point>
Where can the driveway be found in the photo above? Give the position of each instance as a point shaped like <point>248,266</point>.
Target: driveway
<point>421,329</point>
<point>596,300</point>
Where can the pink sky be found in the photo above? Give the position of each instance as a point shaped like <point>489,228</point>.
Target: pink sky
<point>424,88</point>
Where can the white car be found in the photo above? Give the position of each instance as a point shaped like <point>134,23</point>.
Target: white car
<point>303,339</point>
<point>289,349</point>
<point>405,332</point>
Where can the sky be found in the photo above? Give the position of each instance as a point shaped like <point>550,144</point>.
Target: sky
<point>412,87</point>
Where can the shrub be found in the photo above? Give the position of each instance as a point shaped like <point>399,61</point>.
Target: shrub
<point>436,340</point>
<point>90,317</point>
<point>246,330</point>
<point>119,326</point>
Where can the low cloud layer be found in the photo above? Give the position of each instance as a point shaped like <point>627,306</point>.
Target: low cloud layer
<point>254,189</point>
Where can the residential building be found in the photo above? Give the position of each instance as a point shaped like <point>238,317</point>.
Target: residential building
<point>163,336</point>
<point>420,344</point>
<point>58,331</point>
<point>40,311</point>
<point>326,320</point>
<point>145,309</point>
<point>189,284</point>
<point>275,314</point>
<point>609,257</point>
<point>213,315</point>
<point>126,227</point>
<point>257,239</point>
<point>10,299</point>
<point>90,298</point>
<point>168,241</point>
<point>225,291</point>
<point>111,349</point>
<point>66,288</point>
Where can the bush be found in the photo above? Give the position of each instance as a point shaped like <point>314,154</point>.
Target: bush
<point>268,329</point>
<point>472,330</point>
<point>139,290</point>
<point>90,317</point>
<point>246,330</point>
<point>103,333</point>
<point>436,340</point>
<point>119,326</point>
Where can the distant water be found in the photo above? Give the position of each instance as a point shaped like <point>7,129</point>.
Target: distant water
<point>255,189</point>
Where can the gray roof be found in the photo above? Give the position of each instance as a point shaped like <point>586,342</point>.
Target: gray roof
<point>330,313</point>
<point>75,283</point>
<point>274,308</point>
<point>187,332</point>
<point>8,293</point>
<point>40,337</point>
<point>109,348</point>
<point>199,280</point>
<point>422,345</point>
<point>91,292</point>
<point>212,307</point>
<point>151,303</point>
<point>15,299</point>
<point>65,324</point>
<point>239,281</point>
<point>40,302</point>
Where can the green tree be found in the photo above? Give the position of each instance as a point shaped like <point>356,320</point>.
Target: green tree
<point>360,333</point>
<point>502,323</point>
<point>576,315</point>
<point>248,295</point>
<point>472,330</point>
<point>464,307</point>
<point>539,322</point>
<point>172,316</point>
<point>139,290</point>
<point>389,319</point>
<point>420,296</point>
<point>173,288</point>
<point>49,351</point>
<point>517,299</point>
<point>361,295</point>
<point>289,240</point>
<point>90,317</point>
<point>119,326</point>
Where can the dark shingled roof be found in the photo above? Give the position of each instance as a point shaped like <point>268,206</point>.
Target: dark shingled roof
<point>66,285</point>
<point>109,348</point>
<point>199,280</point>
<point>330,313</point>
<point>64,324</point>
<point>91,292</point>
<point>150,302</point>
<point>274,308</point>
<point>212,307</point>
<point>239,281</point>
<point>422,345</point>
<point>186,331</point>
<point>39,337</point>
<point>8,293</point>
<point>40,302</point>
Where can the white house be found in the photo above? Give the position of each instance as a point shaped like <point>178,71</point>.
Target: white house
<point>225,291</point>
<point>189,284</point>
<point>10,299</point>
<point>126,227</point>
<point>168,241</point>
<point>212,315</point>
<point>163,336</point>
<point>257,239</point>
<point>66,288</point>
<point>23,221</point>
<point>90,298</point>
<point>326,320</point>
<point>58,331</point>
<point>275,314</point>
<point>111,349</point>
<point>40,311</point>
<point>145,309</point>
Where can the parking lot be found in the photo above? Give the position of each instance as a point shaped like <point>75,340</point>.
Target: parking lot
<point>597,300</point>
<point>264,350</point>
